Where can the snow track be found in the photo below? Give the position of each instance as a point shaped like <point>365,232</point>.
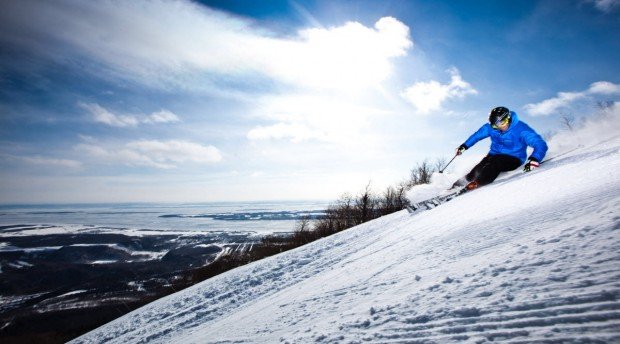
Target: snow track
<point>531,258</point>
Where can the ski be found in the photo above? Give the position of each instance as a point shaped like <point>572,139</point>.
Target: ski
<point>434,202</point>
<point>438,200</point>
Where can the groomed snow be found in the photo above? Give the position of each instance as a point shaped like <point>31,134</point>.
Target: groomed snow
<point>532,257</point>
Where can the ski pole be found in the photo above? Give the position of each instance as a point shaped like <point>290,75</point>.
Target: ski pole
<point>443,169</point>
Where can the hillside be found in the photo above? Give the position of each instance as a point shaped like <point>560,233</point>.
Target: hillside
<point>532,257</point>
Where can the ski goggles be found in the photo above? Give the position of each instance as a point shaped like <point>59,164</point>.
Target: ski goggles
<point>501,122</point>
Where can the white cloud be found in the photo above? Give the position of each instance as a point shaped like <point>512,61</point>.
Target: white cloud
<point>333,118</point>
<point>296,132</point>
<point>130,39</point>
<point>87,138</point>
<point>38,160</point>
<point>565,99</point>
<point>257,174</point>
<point>101,115</point>
<point>549,106</point>
<point>605,5</point>
<point>429,96</point>
<point>604,87</point>
<point>162,116</point>
<point>152,153</point>
<point>345,57</point>
<point>176,151</point>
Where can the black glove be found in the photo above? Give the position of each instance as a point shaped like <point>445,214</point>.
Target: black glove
<point>531,165</point>
<point>461,149</point>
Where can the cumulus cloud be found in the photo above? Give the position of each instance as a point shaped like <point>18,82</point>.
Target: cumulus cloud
<point>429,96</point>
<point>100,114</point>
<point>152,153</point>
<point>331,118</point>
<point>349,56</point>
<point>128,38</point>
<point>565,99</point>
<point>604,87</point>
<point>549,106</point>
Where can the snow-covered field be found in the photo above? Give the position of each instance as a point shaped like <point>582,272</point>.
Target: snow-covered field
<point>533,257</point>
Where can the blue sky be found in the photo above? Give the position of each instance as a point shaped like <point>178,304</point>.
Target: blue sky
<point>181,101</point>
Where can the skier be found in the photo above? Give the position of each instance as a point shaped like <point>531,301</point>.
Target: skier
<point>510,138</point>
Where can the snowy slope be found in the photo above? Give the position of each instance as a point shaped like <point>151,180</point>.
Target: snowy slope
<point>532,257</point>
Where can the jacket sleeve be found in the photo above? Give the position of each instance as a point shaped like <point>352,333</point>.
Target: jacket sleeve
<point>482,133</point>
<point>535,141</point>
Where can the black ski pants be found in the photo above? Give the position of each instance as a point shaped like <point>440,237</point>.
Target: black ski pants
<point>491,166</point>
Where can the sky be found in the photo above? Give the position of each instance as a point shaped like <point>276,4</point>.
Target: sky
<point>187,101</point>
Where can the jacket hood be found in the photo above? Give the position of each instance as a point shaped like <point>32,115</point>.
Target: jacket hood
<point>514,117</point>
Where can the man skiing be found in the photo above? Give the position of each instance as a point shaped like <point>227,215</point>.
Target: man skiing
<point>510,138</point>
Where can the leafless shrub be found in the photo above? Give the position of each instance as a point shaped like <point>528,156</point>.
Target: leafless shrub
<point>568,121</point>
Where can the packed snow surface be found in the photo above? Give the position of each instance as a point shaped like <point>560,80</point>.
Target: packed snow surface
<point>531,257</point>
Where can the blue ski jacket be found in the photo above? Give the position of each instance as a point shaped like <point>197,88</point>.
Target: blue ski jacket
<point>513,142</point>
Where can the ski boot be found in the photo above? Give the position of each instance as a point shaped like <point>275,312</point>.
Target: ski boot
<point>472,185</point>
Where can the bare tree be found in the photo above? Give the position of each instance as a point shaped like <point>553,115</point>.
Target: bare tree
<point>421,174</point>
<point>568,121</point>
<point>303,233</point>
<point>388,200</point>
<point>303,224</point>
<point>393,199</point>
<point>402,201</point>
<point>365,205</point>
<point>605,105</point>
